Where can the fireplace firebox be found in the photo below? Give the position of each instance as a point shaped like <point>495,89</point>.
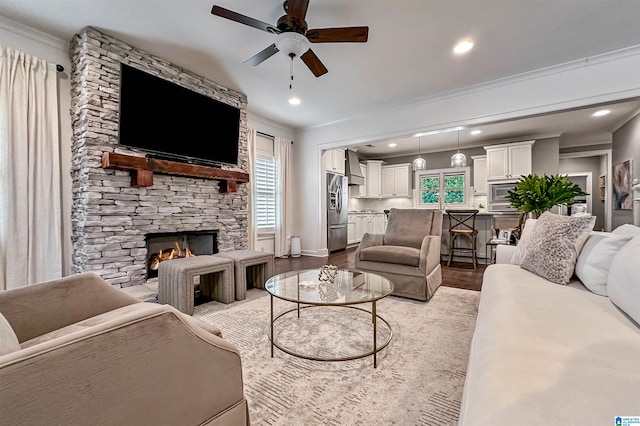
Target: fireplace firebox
<point>166,246</point>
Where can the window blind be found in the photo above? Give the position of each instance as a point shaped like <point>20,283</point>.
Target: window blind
<point>265,192</point>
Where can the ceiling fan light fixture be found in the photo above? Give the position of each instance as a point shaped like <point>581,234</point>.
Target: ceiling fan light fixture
<point>294,100</point>
<point>292,42</point>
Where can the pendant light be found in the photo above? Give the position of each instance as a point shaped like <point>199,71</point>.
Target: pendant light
<point>458,159</point>
<point>419,163</point>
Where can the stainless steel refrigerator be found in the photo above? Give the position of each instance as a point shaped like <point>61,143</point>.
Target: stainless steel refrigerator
<point>337,210</point>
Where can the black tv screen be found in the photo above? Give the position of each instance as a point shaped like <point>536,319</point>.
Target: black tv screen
<point>163,118</point>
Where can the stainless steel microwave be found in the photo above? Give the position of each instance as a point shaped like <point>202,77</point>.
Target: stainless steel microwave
<point>498,192</point>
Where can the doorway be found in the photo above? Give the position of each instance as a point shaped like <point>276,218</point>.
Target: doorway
<point>591,171</point>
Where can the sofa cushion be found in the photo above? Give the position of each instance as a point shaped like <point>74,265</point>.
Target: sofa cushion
<point>8,339</point>
<point>592,267</point>
<point>521,248</point>
<point>391,254</point>
<point>623,286</point>
<point>554,246</point>
<point>627,229</point>
<point>547,354</point>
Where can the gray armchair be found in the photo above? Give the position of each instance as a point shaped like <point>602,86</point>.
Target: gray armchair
<point>408,253</point>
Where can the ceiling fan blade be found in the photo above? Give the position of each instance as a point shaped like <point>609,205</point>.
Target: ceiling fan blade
<point>314,64</point>
<point>236,17</point>
<point>297,9</point>
<point>262,56</point>
<point>338,35</point>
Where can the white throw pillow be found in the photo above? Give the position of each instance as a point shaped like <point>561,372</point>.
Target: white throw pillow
<point>521,248</point>
<point>8,339</point>
<point>592,267</point>
<point>623,284</point>
<point>553,248</point>
<point>627,229</point>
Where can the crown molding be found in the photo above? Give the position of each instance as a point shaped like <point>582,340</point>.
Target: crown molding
<point>33,34</point>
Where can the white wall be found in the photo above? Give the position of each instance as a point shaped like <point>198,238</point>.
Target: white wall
<point>604,78</point>
<point>53,50</point>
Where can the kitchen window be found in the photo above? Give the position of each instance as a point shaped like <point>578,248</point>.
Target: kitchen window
<point>443,188</point>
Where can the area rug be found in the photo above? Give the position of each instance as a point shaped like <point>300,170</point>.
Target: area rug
<point>418,380</point>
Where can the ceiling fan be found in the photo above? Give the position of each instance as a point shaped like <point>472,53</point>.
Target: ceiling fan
<point>293,36</point>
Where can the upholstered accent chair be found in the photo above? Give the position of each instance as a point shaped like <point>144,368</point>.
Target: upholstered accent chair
<point>408,253</point>
<point>84,352</point>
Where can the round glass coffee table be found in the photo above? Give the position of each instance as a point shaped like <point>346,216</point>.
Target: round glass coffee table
<point>308,289</point>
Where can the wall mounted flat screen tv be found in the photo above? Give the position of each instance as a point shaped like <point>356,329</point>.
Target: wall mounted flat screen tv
<point>169,121</point>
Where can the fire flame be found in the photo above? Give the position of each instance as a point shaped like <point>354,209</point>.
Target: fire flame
<point>168,254</point>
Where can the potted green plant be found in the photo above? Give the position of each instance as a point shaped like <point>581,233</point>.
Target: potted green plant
<point>536,194</point>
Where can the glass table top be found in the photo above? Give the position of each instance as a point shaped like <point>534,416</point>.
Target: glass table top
<point>348,287</point>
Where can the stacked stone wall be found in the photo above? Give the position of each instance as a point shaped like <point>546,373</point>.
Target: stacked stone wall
<point>110,218</point>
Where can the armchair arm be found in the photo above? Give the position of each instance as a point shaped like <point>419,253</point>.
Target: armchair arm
<point>104,374</point>
<point>504,253</point>
<point>429,254</point>
<point>369,240</point>
<point>40,308</point>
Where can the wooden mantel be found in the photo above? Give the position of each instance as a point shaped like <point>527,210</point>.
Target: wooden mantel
<point>142,170</point>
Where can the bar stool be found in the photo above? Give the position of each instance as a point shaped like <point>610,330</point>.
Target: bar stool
<point>462,223</point>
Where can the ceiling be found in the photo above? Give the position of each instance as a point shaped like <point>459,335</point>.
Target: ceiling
<point>577,127</point>
<point>408,55</point>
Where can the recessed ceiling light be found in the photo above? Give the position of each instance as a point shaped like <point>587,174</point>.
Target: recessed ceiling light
<point>393,145</point>
<point>601,113</point>
<point>463,47</point>
<point>476,132</point>
<point>294,100</point>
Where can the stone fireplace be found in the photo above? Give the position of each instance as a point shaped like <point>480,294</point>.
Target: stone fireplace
<point>111,219</point>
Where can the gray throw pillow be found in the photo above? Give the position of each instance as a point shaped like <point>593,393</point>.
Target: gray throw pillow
<point>555,244</point>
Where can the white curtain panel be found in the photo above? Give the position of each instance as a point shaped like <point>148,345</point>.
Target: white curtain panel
<point>251,150</point>
<point>282,154</point>
<point>30,181</point>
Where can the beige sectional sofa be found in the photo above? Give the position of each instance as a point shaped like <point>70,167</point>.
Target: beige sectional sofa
<point>544,353</point>
<point>77,351</point>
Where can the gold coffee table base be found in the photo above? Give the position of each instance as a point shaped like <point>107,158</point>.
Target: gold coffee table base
<point>374,317</point>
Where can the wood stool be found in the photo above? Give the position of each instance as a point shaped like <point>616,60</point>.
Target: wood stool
<point>175,281</point>
<point>463,223</point>
<point>262,269</point>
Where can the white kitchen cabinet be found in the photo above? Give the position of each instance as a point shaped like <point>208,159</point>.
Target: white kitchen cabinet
<point>372,223</point>
<point>362,189</point>
<point>378,223</point>
<point>373,181</point>
<point>333,160</point>
<point>508,161</point>
<point>479,174</point>
<point>351,229</point>
<point>396,181</point>
<point>361,223</point>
